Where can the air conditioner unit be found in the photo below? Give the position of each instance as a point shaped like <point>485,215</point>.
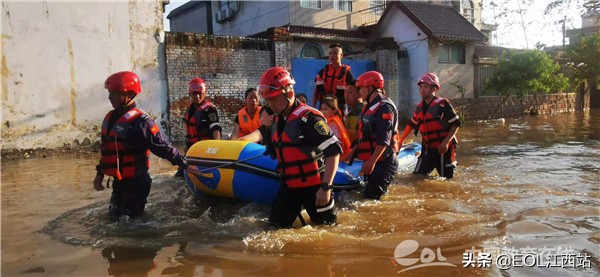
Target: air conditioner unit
<point>223,14</point>
<point>218,17</point>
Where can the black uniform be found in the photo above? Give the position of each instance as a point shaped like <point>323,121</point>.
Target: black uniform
<point>430,156</point>
<point>129,196</point>
<point>289,201</point>
<point>385,169</point>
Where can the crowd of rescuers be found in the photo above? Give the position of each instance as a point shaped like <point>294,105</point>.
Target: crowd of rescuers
<point>364,128</point>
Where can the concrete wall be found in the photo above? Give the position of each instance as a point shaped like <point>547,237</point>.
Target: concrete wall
<point>229,65</point>
<point>327,16</point>
<point>463,74</point>
<point>55,58</point>
<point>414,42</point>
<point>253,17</point>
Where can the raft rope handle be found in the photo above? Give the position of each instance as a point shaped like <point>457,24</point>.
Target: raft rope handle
<point>230,163</point>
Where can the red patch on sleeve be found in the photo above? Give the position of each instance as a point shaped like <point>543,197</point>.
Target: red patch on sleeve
<point>387,116</point>
<point>154,130</point>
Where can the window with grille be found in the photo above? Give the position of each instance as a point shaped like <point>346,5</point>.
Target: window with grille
<point>343,5</point>
<point>312,50</point>
<point>452,53</point>
<point>313,4</point>
<point>377,6</point>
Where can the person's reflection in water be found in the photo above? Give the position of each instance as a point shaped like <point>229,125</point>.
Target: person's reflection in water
<point>129,261</point>
<point>188,265</point>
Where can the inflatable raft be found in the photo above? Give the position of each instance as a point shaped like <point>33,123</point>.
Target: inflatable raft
<point>238,169</point>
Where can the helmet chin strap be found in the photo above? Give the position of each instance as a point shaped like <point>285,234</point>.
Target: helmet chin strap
<point>370,94</point>
<point>289,103</point>
<point>126,103</point>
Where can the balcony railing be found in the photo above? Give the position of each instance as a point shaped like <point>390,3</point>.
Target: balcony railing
<point>371,15</point>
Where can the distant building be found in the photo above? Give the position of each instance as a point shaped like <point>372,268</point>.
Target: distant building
<point>436,39</point>
<point>590,23</point>
<point>431,36</point>
<point>244,18</point>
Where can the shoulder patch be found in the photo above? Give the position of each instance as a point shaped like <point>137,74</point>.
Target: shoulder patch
<point>322,127</point>
<point>387,116</point>
<point>212,116</point>
<point>154,130</point>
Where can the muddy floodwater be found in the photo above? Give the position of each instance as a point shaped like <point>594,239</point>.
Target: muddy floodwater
<point>524,202</point>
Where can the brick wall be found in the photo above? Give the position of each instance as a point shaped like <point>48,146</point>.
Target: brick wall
<point>282,45</point>
<point>484,107</point>
<point>229,65</point>
<point>392,63</point>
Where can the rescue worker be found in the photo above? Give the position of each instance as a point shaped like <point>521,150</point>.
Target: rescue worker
<point>306,150</point>
<point>128,137</point>
<point>354,106</point>
<point>332,79</point>
<point>438,123</point>
<point>377,144</point>
<point>248,118</point>
<point>202,118</point>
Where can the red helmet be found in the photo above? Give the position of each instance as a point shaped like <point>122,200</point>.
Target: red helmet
<point>272,82</point>
<point>197,85</point>
<point>429,78</point>
<point>123,81</point>
<point>370,78</point>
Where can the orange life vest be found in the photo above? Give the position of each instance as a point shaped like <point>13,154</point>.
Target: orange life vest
<point>333,79</point>
<point>247,123</point>
<point>338,129</point>
<point>433,127</point>
<point>192,133</point>
<point>367,137</point>
<point>351,121</point>
<point>120,159</point>
<point>299,165</point>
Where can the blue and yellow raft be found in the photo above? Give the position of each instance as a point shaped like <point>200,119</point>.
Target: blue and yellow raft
<point>238,169</point>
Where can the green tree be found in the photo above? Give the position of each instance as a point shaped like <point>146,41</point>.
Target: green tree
<point>520,73</point>
<point>584,62</point>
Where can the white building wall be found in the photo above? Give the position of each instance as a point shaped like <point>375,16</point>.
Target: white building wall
<point>55,58</point>
<point>253,17</point>
<point>415,42</point>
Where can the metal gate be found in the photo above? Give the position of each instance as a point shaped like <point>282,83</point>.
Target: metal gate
<point>305,71</point>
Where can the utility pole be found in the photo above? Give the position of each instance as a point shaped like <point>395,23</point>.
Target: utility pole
<point>564,30</point>
<point>523,24</point>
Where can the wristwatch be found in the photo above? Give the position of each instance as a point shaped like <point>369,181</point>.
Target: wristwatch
<point>326,186</point>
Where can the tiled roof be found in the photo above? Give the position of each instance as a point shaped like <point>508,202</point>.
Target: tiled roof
<point>296,29</point>
<point>486,51</point>
<point>360,33</point>
<point>439,21</point>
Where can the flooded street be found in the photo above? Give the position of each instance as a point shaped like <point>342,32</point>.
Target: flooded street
<point>528,185</point>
